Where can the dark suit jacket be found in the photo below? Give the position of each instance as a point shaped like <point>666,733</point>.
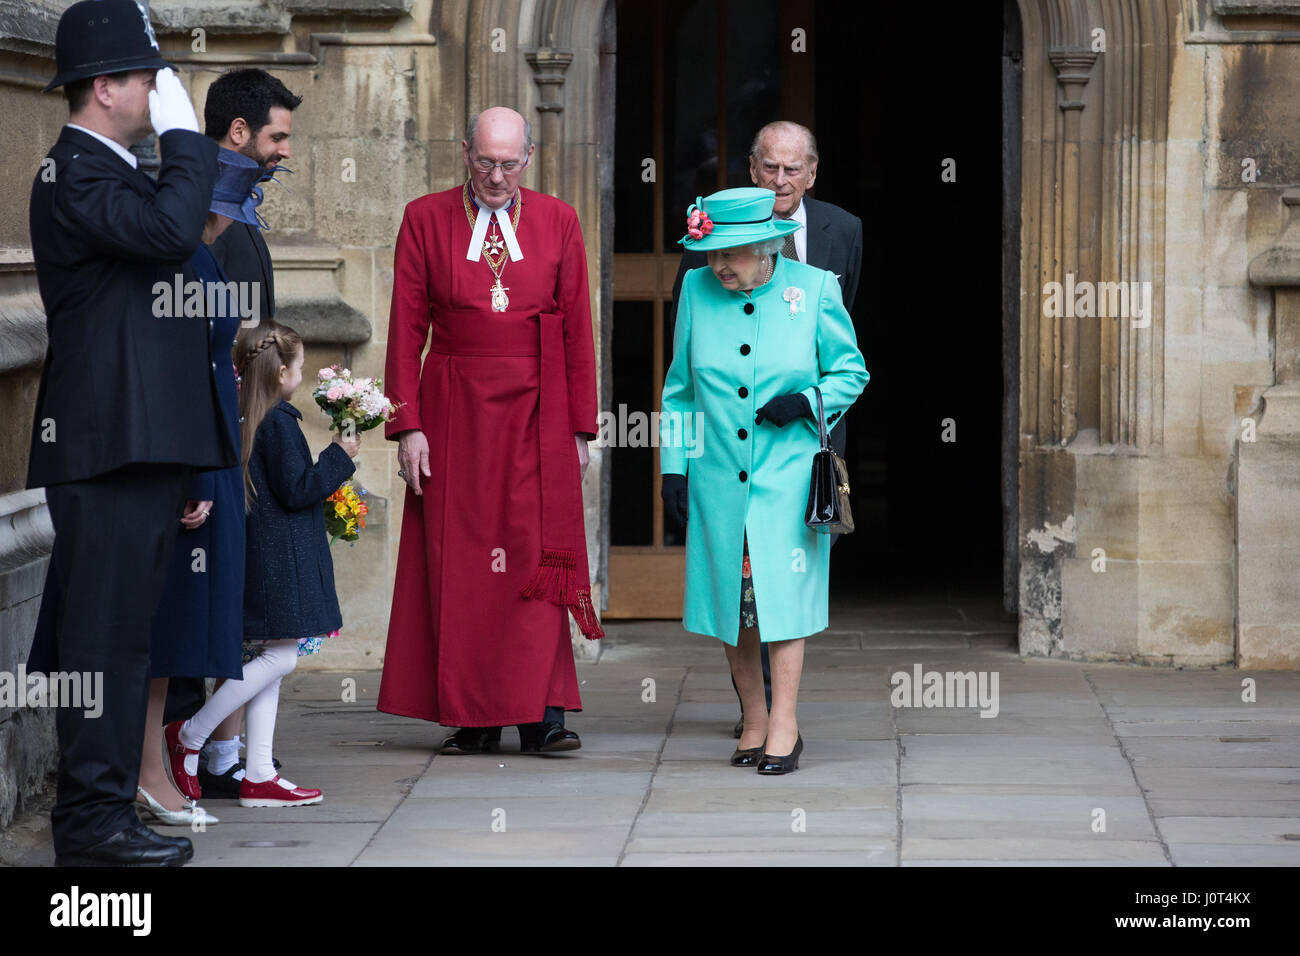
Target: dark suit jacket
<point>834,243</point>
<point>121,384</point>
<point>289,574</point>
<point>242,254</point>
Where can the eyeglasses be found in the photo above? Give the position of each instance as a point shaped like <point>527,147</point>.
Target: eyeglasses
<point>486,166</point>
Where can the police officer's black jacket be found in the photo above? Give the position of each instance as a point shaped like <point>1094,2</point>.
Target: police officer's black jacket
<point>121,385</point>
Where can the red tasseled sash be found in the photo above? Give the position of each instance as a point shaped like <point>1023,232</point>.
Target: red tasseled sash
<point>562,576</point>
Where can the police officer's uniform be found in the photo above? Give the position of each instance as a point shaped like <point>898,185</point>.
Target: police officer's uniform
<point>125,413</point>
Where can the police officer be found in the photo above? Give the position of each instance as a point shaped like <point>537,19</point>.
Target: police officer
<point>126,410</point>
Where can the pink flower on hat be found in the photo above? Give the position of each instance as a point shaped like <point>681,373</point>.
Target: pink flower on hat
<point>698,223</point>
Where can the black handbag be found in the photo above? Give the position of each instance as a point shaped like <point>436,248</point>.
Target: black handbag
<point>828,492</point>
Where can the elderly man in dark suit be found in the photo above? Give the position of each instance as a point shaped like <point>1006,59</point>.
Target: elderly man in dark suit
<point>126,409</point>
<point>783,158</point>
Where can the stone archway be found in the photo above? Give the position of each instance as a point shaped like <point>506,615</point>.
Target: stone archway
<point>1092,208</point>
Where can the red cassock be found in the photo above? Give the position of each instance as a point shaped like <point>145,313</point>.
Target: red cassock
<point>493,554</point>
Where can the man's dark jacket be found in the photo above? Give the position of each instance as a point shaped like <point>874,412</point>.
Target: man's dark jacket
<point>121,384</point>
<point>834,243</point>
<point>243,256</point>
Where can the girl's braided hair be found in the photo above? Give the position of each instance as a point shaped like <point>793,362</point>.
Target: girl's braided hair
<point>259,355</point>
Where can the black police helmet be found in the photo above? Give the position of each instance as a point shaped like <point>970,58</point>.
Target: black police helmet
<point>98,37</point>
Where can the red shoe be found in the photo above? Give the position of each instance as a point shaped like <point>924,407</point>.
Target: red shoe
<point>187,783</point>
<point>276,793</point>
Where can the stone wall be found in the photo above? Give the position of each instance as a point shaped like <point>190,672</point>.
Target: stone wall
<point>1132,449</point>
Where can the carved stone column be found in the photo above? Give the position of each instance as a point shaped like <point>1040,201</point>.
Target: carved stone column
<point>549,66</point>
<point>1073,67</point>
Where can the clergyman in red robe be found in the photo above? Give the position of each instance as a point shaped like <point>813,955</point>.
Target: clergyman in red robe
<point>492,433</point>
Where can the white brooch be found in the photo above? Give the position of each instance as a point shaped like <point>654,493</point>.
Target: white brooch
<point>794,295</point>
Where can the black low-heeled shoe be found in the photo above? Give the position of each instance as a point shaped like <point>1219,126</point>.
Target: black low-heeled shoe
<point>472,740</point>
<point>788,764</point>
<point>739,729</point>
<point>547,738</point>
<point>747,757</point>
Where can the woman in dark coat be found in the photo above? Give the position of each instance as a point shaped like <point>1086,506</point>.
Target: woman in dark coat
<point>198,627</point>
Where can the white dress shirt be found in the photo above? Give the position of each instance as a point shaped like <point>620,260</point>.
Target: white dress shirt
<point>126,154</point>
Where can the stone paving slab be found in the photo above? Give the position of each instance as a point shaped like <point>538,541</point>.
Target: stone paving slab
<point>1231,854</point>
<point>881,857</point>
<point>750,798</point>
<point>1239,830</point>
<point>1092,847</point>
<point>773,822</point>
<point>877,785</point>
<point>701,848</point>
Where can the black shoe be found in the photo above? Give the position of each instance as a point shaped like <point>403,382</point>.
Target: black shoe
<point>472,740</point>
<point>220,786</point>
<point>788,764</point>
<point>224,786</point>
<point>547,738</point>
<point>130,847</point>
<point>747,757</point>
<point>739,728</point>
<point>186,847</point>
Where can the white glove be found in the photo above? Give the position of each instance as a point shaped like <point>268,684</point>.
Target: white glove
<point>169,105</point>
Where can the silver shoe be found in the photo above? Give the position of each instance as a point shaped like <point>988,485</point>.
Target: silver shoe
<point>191,815</point>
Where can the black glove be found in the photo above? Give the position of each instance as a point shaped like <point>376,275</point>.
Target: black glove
<point>784,409</point>
<point>673,492</point>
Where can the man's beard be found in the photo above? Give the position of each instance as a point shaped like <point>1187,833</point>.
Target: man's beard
<point>263,161</point>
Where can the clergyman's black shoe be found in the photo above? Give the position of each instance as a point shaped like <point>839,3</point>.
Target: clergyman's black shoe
<point>547,738</point>
<point>128,847</point>
<point>472,740</point>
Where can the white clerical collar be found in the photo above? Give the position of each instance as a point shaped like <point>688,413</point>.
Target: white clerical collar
<point>126,154</point>
<point>481,224</point>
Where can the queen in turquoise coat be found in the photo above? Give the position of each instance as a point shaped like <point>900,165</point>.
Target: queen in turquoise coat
<point>756,333</point>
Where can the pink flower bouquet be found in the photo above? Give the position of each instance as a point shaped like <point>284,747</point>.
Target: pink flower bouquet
<point>345,399</point>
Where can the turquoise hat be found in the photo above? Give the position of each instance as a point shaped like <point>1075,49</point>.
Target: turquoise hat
<point>739,217</point>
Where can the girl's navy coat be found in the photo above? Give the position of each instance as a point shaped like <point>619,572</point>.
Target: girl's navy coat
<point>289,575</point>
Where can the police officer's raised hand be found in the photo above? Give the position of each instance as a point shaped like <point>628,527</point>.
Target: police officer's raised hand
<point>169,105</point>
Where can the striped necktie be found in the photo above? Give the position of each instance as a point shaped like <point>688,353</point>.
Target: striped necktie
<point>788,250</point>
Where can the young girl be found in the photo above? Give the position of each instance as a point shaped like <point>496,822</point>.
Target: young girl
<point>289,599</point>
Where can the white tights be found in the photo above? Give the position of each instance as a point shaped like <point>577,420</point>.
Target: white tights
<point>259,689</point>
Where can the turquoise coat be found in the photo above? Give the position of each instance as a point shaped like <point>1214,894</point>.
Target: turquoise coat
<point>746,479</point>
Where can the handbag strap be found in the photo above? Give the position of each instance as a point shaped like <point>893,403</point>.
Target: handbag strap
<point>821,420</point>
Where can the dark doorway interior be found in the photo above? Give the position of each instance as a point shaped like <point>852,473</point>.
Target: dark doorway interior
<point>889,101</point>
<point>892,104</point>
